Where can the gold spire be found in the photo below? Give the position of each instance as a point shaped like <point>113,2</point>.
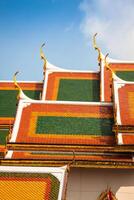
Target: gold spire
<point>43,56</point>
<point>97,48</point>
<point>16,84</point>
<point>107,64</point>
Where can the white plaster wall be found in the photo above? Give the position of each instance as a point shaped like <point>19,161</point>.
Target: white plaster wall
<point>87,184</point>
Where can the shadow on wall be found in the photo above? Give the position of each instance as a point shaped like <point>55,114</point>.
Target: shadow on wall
<point>87,184</point>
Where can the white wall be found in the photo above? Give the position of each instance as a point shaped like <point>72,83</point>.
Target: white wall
<point>87,184</point>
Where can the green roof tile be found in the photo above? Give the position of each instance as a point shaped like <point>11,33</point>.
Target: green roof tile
<point>126,75</point>
<point>8,101</point>
<point>79,90</point>
<point>74,126</point>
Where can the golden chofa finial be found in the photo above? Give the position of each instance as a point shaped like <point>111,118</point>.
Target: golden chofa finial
<point>107,64</point>
<point>16,84</point>
<point>97,48</point>
<point>43,57</point>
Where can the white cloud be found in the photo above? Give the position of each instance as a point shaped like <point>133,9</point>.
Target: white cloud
<point>114,22</point>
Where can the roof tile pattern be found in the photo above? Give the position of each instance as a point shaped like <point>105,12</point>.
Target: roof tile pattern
<point>124,108</point>
<point>124,71</point>
<point>26,183</point>
<point>72,86</point>
<point>49,123</point>
<point>8,98</point>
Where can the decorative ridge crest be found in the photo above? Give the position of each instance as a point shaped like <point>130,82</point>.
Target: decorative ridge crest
<point>107,65</point>
<point>21,94</point>
<point>43,57</point>
<point>97,48</point>
<point>107,195</point>
<point>114,76</point>
<point>16,84</point>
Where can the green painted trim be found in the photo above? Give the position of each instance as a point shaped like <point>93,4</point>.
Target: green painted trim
<point>74,126</point>
<point>79,90</point>
<point>126,75</point>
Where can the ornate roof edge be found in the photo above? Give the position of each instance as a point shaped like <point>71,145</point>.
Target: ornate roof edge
<point>105,61</point>
<point>111,60</point>
<point>12,81</point>
<point>97,49</point>
<point>53,68</point>
<point>21,95</point>
<point>89,164</point>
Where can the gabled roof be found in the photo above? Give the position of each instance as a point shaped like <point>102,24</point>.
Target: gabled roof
<point>123,69</point>
<point>71,86</point>
<point>124,110</point>
<point>63,123</point>
<point>8,98</point>
<point>42,183</point>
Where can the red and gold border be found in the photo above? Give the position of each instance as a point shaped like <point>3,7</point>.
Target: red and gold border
<point>23,85</point>
<point>65,156</point>
<point>27,128</point>
<point>55,77</point>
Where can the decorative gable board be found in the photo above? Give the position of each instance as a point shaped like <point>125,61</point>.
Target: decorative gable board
<point>124,111</point>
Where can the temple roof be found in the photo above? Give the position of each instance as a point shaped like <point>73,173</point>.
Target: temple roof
<point>8,98</point>
<point>44,183</point>
<point>80,117</point>
<point>63,123</point>
<point>124,70</point>
<point>123,106</point>
<point>60,85</point>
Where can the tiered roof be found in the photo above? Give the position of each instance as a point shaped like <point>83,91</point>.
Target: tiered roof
<point>72,117</point>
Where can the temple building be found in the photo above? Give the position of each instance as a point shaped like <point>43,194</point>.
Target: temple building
<point>70,136</point>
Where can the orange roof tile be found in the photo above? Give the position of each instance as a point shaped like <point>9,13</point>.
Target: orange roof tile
<point>8,96</point>
<point>63,123</point>
<point>71,86</point>
<point>122,70</point>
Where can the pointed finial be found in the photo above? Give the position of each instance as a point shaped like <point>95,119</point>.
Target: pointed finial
<point>107,64</point>
<point>97,48</point>
<point>43,56</point>
<point>16,84</point>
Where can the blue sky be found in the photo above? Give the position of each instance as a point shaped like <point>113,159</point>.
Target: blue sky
<point>67,27</point>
